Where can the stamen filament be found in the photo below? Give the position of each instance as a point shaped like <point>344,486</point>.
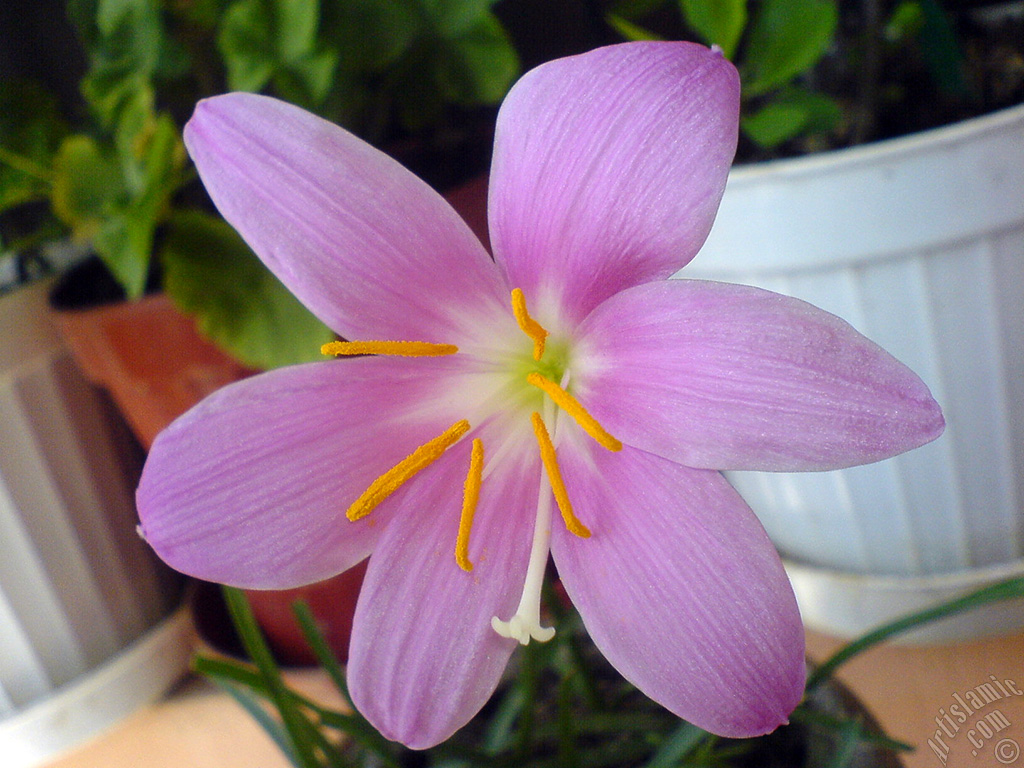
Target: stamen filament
<point>470,497</point>
<point>400,348</point>
<point>572,406</point>
<point>550,459</point>
<point>527,324</point>
<point>404,470</point>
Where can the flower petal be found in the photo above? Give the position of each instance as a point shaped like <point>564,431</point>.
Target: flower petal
<point>608,169</point>
<point>724,376</point>
<point>681,590</point>
<point>251,486</point>
<point>423,658</point>
<point>368,247</point>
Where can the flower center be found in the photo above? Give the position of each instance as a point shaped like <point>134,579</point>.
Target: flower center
<point>548,372</point>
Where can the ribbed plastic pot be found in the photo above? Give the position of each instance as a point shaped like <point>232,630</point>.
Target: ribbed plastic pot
<point>918,242</point>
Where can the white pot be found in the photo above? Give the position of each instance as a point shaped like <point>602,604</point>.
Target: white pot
<point>77,584</point>
<point>919,243</point>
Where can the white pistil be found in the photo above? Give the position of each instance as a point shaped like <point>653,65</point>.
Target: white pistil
<point>525,623</point>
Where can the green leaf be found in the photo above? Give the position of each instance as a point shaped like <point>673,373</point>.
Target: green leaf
<point>684,740</point>
<point>720,22</point>
<point>308,80</point>
<point>794,112</point>
<point>125,49</point>
<point>125,243</point>
<point>86,185</point>
<point>257,712</point>
<point>212,274</point>
<point>246,41</point>
<point>1012,589</point>
<point>630,31</point>
<point>787,37</point>
<point>370,34</point>
<point>31,130</point>
<point>484,64</point>
<point>275,41</point>
<point>634,9</point>
<point>941,49</point>
<point>296,23</point>
<point>299,731</point>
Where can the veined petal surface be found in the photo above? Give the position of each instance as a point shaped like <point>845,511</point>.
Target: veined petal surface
<point>681,590</point>
<point>251,486</point>
<point>368,247</point>
<point>423,658</point>
<point>724,376</point>
<point>608,168</point>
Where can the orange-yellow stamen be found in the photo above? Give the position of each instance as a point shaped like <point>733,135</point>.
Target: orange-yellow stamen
<point>550,459</point>
<point>400,348</point>
<point>527,324</point>
<point>470,496</point>
<point>404,470</point>
<point>572,406</point>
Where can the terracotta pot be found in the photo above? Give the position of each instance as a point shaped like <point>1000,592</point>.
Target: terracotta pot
<point>146,353</point>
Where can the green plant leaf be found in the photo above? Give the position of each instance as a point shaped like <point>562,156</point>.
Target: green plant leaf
<point>86,185</point>
<point>296,23</point>
<point>634,9</point>
<point>299,731</point>
<point>31,130</point>
<point>680,743</point>
<point>274,729</point>
<point>718,23</point>
<point>371,34</point>
<point>308,80</point>
<point>246,42</point>
<point>1011,589</point>
<point>941,49</point>
<point>483,64</point>
<point>125,243</point>
<point>786,38</point>
<point>212,274</point>
<point>630,31</point>
<point>125,47</point>
<point>275,42</point>
<point>794,112</point>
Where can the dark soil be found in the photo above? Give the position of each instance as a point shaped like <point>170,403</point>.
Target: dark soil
<point>888,89</point>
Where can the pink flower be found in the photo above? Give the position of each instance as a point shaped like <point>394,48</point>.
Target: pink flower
<point>569,345</point>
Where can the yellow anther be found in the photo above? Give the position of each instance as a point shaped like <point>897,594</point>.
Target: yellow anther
<point>470,496</point>
<point>404,470</point>
<point>572,406</point>
<point>400,348</point>
<point>547,455</point>
<point>527,324</point>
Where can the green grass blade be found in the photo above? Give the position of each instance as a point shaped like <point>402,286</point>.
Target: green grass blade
<point>1006,590</point>
<point>686,738</point>
<point>272,727</point>
<point>295,723</point>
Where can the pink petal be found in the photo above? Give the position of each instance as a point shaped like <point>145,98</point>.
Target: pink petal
<point>251,486</point>
<point>681,590</point>
<point>726,376</point>
<point>608,169</point>
<point>423,657</point>
<point>369,248</point>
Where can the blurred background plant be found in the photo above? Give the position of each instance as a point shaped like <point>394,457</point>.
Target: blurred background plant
<point>99,156</point>
<point>822,74</point>
<point>409,75</point>
<point>561,704</point>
